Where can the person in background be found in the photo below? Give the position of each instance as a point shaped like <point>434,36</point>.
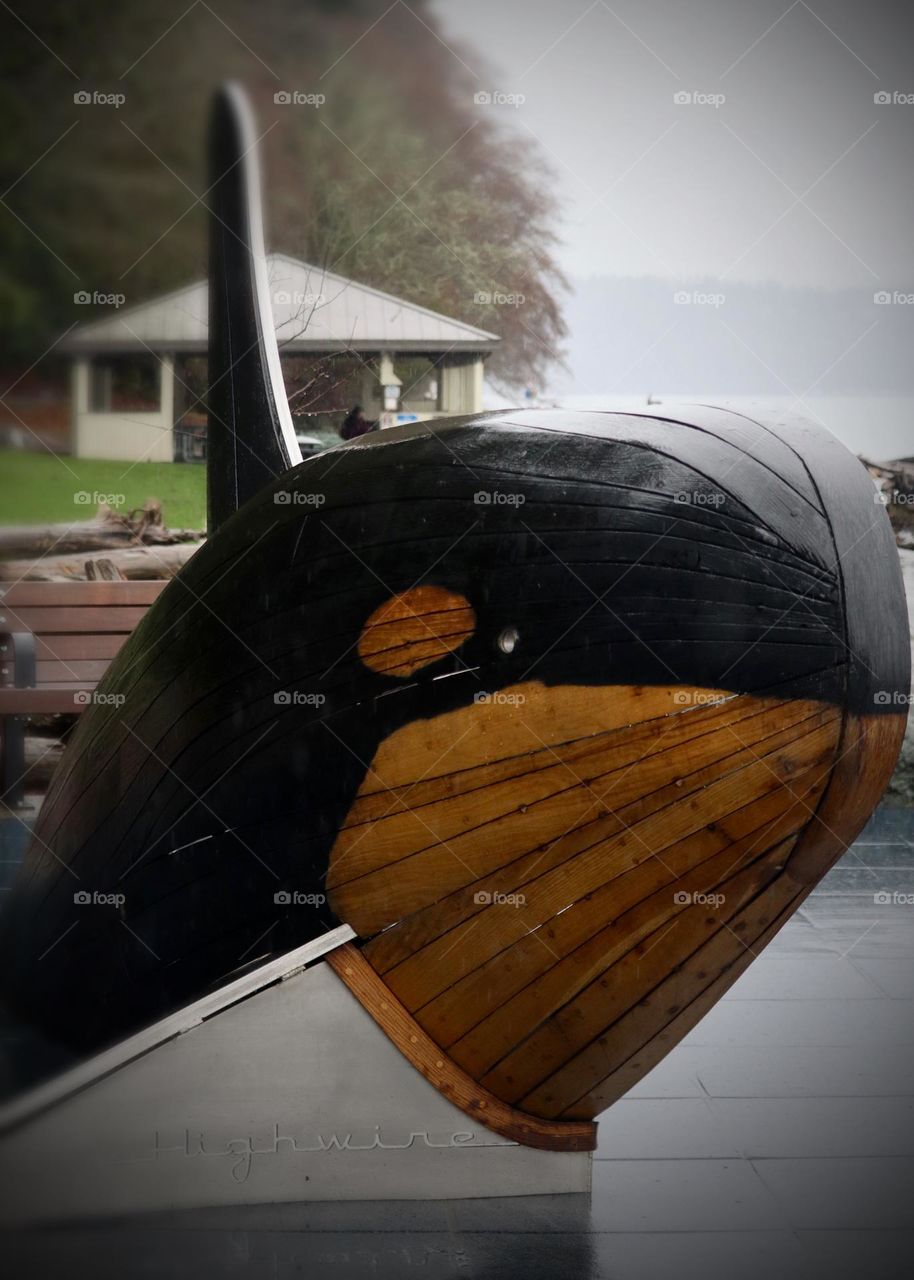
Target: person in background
<point>355,424</point>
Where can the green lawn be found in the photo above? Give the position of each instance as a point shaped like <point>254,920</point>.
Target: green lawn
<point>39,488</point>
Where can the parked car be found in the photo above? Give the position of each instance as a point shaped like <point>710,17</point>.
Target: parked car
<point>309,445</point>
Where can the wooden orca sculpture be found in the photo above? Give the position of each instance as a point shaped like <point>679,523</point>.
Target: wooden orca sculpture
<point>563,713</point>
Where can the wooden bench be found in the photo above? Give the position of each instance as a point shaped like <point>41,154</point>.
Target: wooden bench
<point>57,640</point>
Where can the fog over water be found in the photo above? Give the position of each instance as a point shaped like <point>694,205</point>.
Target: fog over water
<point>880,428</point>
<point>760,152</point>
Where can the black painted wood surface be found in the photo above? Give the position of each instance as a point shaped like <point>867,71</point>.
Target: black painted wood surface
<point>624,550</point>
<point>250,438</point>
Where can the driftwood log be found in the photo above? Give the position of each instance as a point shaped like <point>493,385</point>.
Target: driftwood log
<point>136,544</point>
<point>107,530</point>
<point>160,561</point>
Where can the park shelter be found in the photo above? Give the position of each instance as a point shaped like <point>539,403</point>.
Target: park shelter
<point>403,362</point>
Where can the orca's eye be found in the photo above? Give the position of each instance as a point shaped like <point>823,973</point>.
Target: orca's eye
<point>414,629</point>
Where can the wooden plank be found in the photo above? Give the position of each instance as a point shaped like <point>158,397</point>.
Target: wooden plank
<point>726,468</point>
<point>436,924</point>
<point>609,496</point>
<point>614,1016</point>
<point>424,975</point>
<point>635,744</point>
<point>79,647</point>
<point>520,749</point>
<point>479,1017</point>
<point>63,700</point>
<point>582,997</point>
<point>63,619</point>
<point>27,595</point>
<point>866,757</point>
<point>727,955</point>
<point>493,738</point>
<point>749,435</point>
<point>83,671</point>
<point>474,1101</point>
<point>380,898</point>
<point>450,779</point>
<point>867,564</point>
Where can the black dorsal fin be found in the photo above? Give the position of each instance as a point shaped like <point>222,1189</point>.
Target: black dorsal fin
<point>250,437</point>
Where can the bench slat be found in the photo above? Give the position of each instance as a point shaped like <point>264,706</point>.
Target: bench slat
<point>23,595</point>
<point>79,627</point>
<point>67,648</point>
<point>44,621</point>
<point>76,671</point>
<point>43,702</point>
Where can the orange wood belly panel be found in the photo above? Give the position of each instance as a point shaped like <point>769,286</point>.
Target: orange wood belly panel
<point>626,846</point>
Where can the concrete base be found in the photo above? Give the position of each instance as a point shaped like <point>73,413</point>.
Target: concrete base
<point>290,1094</point>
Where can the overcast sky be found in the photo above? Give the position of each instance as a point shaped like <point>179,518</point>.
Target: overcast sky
<point>797,177</point>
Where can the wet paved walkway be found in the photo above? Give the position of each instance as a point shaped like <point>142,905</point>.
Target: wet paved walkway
<point>776,1141</point>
